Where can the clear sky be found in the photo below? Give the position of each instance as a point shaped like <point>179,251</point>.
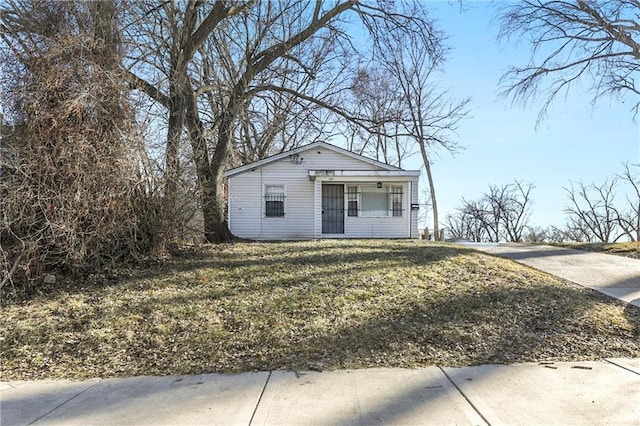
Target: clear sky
<point>578,141</point>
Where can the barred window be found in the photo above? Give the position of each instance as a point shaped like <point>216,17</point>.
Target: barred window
<point>274,201</point>
<point>396,201</point>
<point>352,201</point>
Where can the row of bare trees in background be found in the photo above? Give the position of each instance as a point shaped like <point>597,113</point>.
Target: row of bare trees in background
<point>590,45</point>
<point>502,213</point>
<point>598,212</point>
<point>603,212</point>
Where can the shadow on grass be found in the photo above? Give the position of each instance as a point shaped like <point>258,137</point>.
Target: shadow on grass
<point>325,313</point>
<point>263,257</point>
<point>469,323</point>
<point>488,326</point>
<point>495,326</point>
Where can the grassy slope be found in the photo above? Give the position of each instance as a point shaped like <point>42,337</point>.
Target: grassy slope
<point>628,249</point>
<point>327,304</point>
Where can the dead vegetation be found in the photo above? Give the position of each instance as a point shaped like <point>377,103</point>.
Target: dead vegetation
<point>628,249</point>
<point>75,191</point>
<point>310,305</point>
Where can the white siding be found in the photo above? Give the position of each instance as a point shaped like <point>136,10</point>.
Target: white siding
<point>324,159</point>
<point>303,204</point>
<point>371,227</point>
<point>246,204</point>
<point>414,213</point>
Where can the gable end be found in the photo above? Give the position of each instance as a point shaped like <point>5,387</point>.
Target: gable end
<point>303,148</point>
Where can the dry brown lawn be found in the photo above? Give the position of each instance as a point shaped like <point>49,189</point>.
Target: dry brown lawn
<point>309,305</point>
<point>628,249</point>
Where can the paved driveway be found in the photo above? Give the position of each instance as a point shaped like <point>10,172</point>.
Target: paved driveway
<point>615,276</point>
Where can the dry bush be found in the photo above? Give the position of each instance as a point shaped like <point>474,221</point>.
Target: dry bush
<point>73,193</point>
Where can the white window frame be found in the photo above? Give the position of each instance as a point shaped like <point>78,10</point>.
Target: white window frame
<point>389,187</point>
<point>361,211</point>
<point>391,194</point>
<point>264,200</point>
<point>357,200</point>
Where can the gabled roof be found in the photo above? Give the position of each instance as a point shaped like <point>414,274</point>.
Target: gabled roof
<point>302,148</point>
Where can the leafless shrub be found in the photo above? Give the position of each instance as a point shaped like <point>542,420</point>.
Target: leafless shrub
<point>76,197</point>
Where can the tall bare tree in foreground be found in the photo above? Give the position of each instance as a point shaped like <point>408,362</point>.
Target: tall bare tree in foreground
<point>429,115</point>
<point>168,37</point>
<point>596,43</point>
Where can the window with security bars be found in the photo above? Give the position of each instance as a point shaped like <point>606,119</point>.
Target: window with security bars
<point>274,201</point>
<point>396,201</point>
<point>352,201</point>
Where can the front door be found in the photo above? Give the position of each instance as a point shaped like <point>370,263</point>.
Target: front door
<point>333,209</point>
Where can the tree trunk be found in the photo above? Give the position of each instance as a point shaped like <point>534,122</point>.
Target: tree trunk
<point>172,160</point>
<point>215,220</point>
<point>432,190</point>
<point>216,227</point>
<point>210,173</point>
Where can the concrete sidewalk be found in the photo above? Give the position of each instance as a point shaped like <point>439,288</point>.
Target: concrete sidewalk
<point>615,276</point>
<point>604,392</point>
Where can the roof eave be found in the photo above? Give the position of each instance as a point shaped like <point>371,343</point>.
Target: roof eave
<point>277,157</point>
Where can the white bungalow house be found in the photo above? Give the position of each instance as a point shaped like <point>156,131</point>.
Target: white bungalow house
<point>322,191</point>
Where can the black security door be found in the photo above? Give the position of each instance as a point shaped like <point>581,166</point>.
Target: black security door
<point>333,209</point>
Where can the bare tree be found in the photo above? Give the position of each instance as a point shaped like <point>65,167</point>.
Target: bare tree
<point>595,42</point>
<point>170,35</point>
<point>511,205</point>
<point>455,225</point>
<point>469,222</point>
<point>537,234</point>
<point>591,211</point>
<point>596,212</point>
<point>429,115</point>
<point>629,220</point>
<point>276,33</point>
<point>378,97</point>
<point>501,214</point>
<point>268,121</point>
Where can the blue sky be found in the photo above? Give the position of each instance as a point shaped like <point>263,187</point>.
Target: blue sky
<point>577,141</point>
